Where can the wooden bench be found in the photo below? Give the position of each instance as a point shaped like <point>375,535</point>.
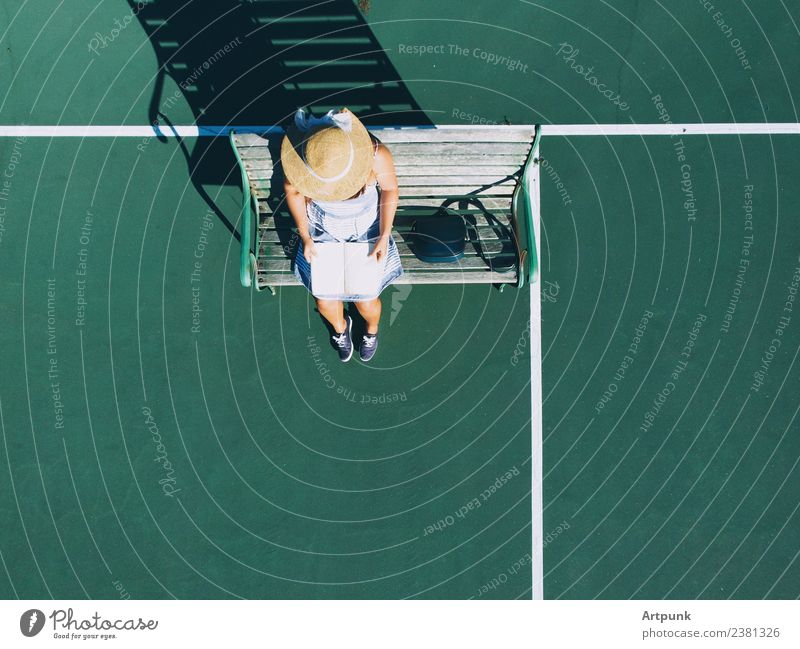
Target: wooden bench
<point>483,173</point>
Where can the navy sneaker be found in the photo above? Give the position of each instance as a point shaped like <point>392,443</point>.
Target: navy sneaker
<point>369,343</point>
<point>343,342</point>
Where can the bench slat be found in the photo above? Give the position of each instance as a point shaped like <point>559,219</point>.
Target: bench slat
<point>446,169</point>
<point>424,149</point>
<point>259,158</point>
<point>402,219</point>
<point>503,134</point>
<point>259,168</point>
<point>474,159</point>
<point>272,235</point>
<point>476,180</point>
<point>271,250</point>
<point>493,203</point>
<point>435,150</point>
<point>486,183</point>
<point>411,265</point>
<point>405,213</point>
<point>263,168</point>
<point>482,277</point>
<point>470,191</point>
<point>437,193</point>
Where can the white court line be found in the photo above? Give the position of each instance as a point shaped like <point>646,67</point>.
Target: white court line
<point>537,500</point>
<point>672,129</point>
<point>537,564</point>
<point>28,130</point>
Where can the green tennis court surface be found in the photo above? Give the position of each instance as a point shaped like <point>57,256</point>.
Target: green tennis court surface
<point>168,433</point>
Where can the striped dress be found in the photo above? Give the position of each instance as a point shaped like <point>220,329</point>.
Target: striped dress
<point>353,219</point>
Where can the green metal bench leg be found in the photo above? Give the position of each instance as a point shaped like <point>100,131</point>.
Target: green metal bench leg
<point>254,271</point>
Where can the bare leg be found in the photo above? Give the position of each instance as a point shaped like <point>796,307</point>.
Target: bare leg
<point>371,312</point>
<point>333,312</point>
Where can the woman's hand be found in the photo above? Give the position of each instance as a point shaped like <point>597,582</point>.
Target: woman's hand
<point>380,248</point>
<point>309,250</point>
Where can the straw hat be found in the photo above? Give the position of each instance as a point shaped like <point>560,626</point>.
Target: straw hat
<point>329,157</point>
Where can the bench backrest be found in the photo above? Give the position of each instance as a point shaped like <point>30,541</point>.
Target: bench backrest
<point>432,164</point>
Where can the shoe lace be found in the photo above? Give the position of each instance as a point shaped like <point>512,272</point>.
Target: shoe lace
<point>340,339</point>
<point>369,341</point>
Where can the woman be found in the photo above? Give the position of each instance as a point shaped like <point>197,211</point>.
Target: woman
<point>333,167</point>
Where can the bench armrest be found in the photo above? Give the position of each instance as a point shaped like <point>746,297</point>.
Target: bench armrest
<point>523,205</point>
<point>247,268</point>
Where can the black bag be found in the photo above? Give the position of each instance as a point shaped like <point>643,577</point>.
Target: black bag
<point>439,238</point>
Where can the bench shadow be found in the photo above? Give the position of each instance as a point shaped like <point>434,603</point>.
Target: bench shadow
<point>254,62</point>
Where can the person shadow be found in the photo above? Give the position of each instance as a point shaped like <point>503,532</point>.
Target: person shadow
<point>252,63</point>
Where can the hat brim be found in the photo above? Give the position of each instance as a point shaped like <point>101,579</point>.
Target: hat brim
<point>299,175</point>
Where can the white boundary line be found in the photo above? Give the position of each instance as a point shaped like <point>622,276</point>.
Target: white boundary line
<point>537,500</point>
<point>28,130</point>
<point>671,129</point>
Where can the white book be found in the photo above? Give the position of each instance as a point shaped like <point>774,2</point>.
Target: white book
<point>344,268</point>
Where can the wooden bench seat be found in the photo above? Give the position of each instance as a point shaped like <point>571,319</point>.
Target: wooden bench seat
<point>475,172</point>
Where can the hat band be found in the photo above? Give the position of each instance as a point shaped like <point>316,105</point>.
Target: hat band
<point>337,177</point>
